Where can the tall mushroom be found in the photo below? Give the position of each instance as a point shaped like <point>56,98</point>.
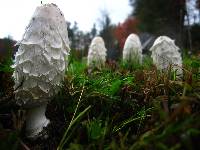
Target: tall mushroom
<point>97,53</point>
<point>40,64</point>
<point>132,51</point>
<point>165,52</point>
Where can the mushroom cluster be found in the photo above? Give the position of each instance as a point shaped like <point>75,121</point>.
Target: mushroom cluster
<point>165,53</point>
<point>40,64</point>
<point>132,51</point>
<point>97,53</point>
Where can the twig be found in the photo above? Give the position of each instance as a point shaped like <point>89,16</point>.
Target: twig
<point>24,145</point>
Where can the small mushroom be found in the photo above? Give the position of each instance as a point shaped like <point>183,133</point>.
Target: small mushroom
<point>40,65</point>
<point>132,51</point>
<point>165,53</point>
<point>97,53</point>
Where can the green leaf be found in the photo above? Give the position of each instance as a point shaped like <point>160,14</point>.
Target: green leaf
<point>115,87</point>
<point>95,129</point>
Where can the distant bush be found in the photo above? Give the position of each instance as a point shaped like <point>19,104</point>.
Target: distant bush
<point>7,50</point>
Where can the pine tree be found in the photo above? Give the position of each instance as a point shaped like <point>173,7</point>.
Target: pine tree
<point>160,16</point>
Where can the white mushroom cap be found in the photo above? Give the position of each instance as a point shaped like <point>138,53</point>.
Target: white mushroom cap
<point>41,59</point>
<point>49,22</point>
<point>132,49</point>
<point>97,53</point>
<point>165,52</point>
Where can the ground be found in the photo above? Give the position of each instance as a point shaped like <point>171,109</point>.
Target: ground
<point>119,107</point>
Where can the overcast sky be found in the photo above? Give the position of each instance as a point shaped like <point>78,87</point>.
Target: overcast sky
<point>15,14</point>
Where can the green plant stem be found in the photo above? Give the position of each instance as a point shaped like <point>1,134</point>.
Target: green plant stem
<point>63,141</point>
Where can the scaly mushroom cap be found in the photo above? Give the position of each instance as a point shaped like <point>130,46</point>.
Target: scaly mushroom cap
<point>97,53</point>
<point>132,49</point>
<point>165,52</point>
<point>41,59</point>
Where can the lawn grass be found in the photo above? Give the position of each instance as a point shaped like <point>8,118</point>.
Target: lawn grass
<point>122,107</point>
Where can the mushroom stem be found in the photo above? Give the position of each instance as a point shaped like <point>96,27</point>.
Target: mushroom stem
<point>36,120</point>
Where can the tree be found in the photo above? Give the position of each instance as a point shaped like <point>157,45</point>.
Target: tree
<point>158,13</point>
<point>93,31</point>
<point>198,3</point>
<point>107,33</point>
<point>78,39</point>
<point>160,16</point>
<point>7,50</point>
<point>123,30</point>
<point>71,34</point>
<point>198,7</point>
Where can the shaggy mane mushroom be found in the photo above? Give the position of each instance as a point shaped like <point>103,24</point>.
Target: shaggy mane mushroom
<point>132,51</point>
<point>97,53</point>
<point>165,53</point>
<point>40,64</point>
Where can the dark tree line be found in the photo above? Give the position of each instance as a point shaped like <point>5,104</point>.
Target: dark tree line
<point>80,41</point>
<point>107,32</point>
<point>160,16</point>
<point>7,50</point>
<point>168,17</point>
